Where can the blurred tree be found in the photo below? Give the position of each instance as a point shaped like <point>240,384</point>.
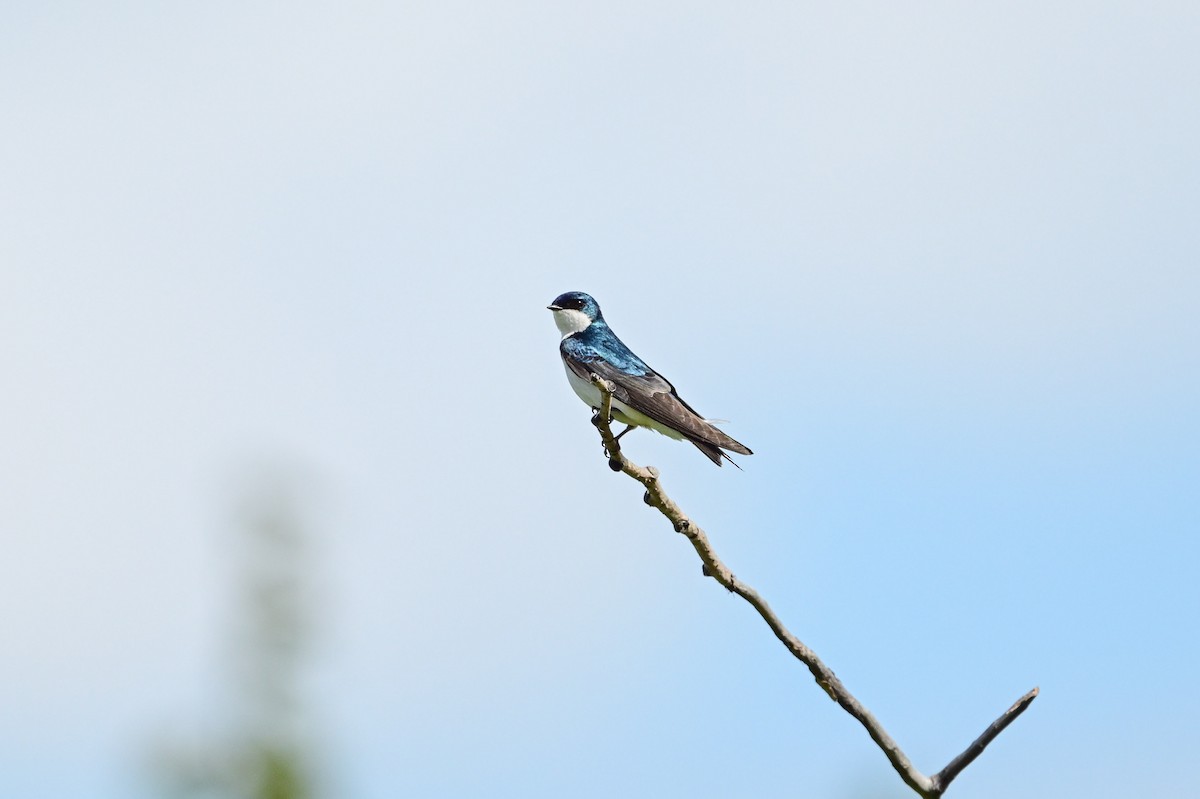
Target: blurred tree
<point>265,755</point>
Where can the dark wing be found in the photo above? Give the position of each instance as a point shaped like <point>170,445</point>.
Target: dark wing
<point>652,395</point>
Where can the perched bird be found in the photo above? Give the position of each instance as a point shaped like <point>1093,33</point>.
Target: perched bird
<point>641,396</point>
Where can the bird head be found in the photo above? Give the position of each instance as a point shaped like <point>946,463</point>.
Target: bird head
<point>574,312</point>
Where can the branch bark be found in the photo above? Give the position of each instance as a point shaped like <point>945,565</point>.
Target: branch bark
<point>927,787</point>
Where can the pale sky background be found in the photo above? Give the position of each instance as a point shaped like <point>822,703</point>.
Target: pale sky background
<point>936,262</point>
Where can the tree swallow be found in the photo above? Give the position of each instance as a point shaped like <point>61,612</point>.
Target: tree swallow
<point>641,396</point>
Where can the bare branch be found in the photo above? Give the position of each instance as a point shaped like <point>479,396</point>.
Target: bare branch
<point>952,769</point>
<point>927,787</point>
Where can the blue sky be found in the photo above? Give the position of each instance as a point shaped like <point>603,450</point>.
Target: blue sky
<point>936,263</point>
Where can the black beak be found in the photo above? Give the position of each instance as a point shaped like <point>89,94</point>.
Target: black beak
<point>553,308</point>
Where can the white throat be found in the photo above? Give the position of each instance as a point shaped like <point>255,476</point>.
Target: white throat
<point>570,321</point>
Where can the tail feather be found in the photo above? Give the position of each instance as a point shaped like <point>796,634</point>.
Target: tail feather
<point>725,442</point>
<point>715,453</point>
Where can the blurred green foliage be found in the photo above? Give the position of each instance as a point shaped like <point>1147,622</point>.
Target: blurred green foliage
<point>264,753</point>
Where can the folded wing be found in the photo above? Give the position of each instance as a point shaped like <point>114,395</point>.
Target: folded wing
<point>651,394</point>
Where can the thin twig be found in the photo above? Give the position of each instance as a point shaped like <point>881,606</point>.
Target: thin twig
<point>952,769</point>
<point>927,787</point>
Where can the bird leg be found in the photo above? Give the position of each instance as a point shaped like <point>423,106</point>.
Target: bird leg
<point>623,432</point>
